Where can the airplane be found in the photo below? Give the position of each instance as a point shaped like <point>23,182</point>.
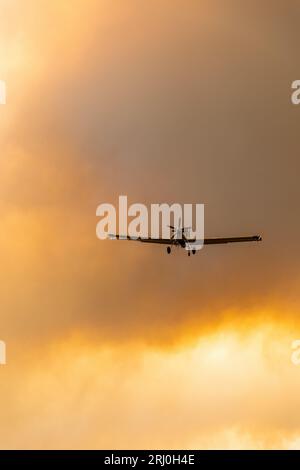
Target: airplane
<point>180,238</point>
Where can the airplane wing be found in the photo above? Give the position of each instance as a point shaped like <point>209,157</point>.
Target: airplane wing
<point>162,241</point>
<point>218,241</point>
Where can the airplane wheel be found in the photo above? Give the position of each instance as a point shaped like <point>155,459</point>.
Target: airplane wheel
<point>189,254</point>
<point>169,250</point>
<point>194,252</point>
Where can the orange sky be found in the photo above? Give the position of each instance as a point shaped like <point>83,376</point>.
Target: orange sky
<point>119,346</point>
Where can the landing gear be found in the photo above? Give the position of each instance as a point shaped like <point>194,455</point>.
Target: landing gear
<point>194,252</point>
<point>189,253</point>
<point>168,250</point>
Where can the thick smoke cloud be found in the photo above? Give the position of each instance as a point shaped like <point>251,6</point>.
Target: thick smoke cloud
<point>164,105</point>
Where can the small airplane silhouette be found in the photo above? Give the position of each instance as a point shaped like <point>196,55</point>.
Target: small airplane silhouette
<point>180,237</point>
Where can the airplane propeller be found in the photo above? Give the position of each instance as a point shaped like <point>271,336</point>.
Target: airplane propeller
<point>178,232</point>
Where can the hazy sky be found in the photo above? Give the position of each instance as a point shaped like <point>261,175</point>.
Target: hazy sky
<point>119,345</point>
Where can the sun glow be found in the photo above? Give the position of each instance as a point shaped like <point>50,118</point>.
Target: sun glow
<point>223,390</point>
